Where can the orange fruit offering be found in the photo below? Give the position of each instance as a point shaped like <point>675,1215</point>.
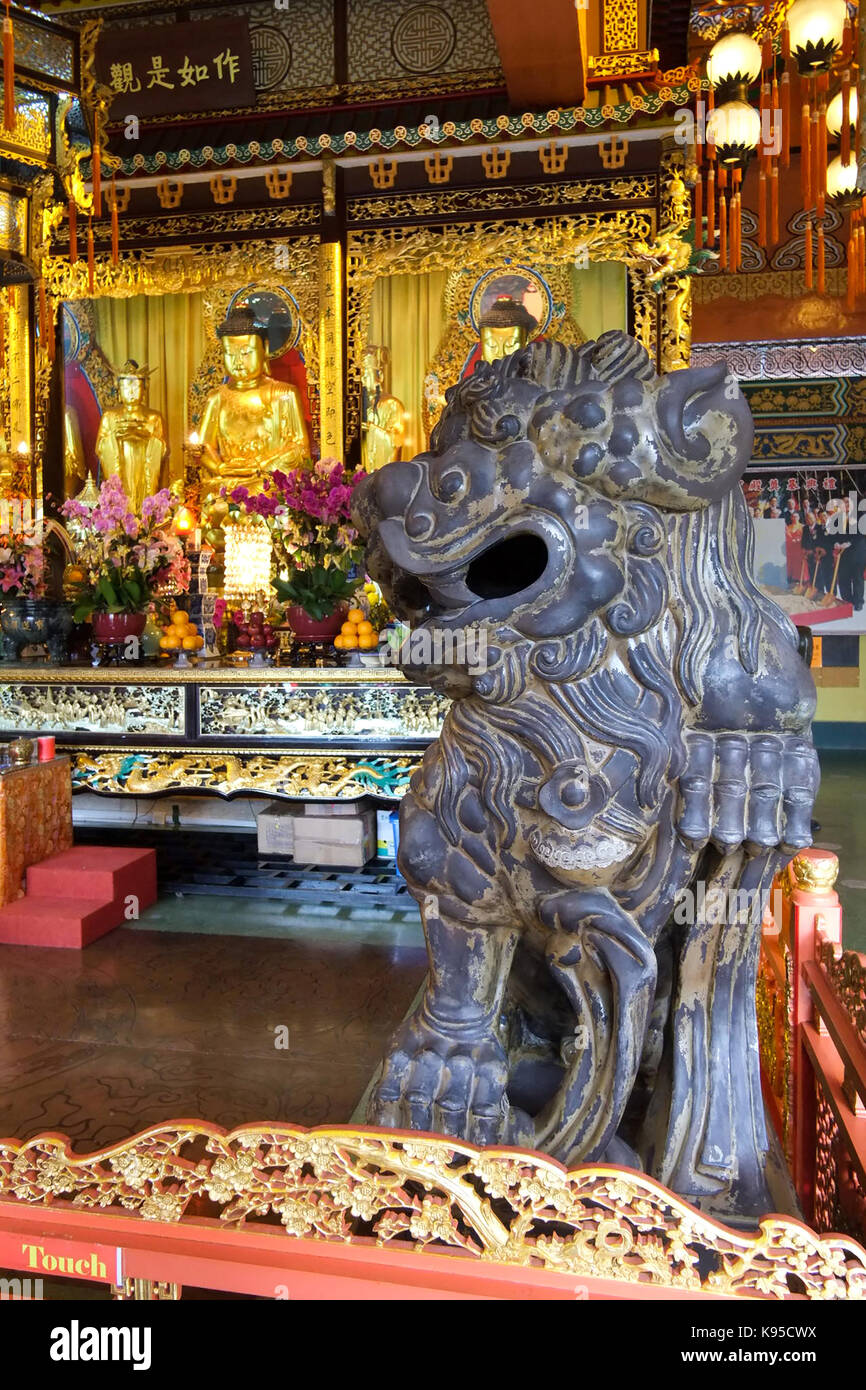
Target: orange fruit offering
<point>179,618</point>
<point>348,629</point>
<point>355,615</point>
<point>170,644</point>
<point>190,644</point>
<point>349,643</point>
<point>368,640</point>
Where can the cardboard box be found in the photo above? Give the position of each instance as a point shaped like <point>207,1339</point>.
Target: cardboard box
<point>347,841</point>
<point>337,808</point>
<point>275,827</point>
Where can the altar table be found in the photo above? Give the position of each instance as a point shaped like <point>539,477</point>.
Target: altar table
<point>292,733</point>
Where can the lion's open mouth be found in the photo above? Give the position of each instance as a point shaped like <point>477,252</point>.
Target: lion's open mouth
<point>508,567</point>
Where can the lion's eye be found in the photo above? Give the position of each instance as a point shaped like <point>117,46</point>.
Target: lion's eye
<point>451,486</point>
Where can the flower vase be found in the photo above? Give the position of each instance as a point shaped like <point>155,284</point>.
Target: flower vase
<point>116,630</point>
<point>150,636</point>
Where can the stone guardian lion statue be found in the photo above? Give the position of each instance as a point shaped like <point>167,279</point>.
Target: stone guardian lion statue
<point>593,837</point>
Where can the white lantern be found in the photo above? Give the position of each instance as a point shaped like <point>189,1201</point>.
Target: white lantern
<point>834,112</point>
<point>247,559</point>
<point>735,58</point>
<point>841,178</point>
<point>734,129</point>
<point>816,29</point>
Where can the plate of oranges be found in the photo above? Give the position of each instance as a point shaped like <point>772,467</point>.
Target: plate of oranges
<point>357,633</point>
<point>180,635</point>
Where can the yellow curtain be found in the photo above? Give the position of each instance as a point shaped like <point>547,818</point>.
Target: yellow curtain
<point>406,316</point>
<point>165,332</point>
<point>600,297</point>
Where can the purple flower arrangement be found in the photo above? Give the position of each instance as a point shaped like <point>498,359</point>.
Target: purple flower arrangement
<point>308,512</point>
<point>125,559</point>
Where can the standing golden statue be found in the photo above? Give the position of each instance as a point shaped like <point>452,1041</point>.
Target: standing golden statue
<point>131,442</point>
<point>384,427</point>
<point>252,423</point>
<point>74,466</point>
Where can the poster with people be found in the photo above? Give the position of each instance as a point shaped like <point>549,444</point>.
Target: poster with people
<point>810,546</point>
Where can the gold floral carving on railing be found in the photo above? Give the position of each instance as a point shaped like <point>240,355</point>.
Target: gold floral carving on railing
<point>438,1195</point>
<point>846,972</point>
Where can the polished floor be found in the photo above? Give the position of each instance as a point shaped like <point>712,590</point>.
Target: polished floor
<point>146,1026</point>
<point>179,1015</point>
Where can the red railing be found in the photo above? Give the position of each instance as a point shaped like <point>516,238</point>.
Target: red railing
<point>812,1029</point>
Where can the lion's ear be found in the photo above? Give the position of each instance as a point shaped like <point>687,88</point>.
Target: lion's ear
<point>705,431</point>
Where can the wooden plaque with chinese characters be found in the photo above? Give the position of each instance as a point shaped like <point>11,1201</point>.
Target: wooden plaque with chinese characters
<point>189,67</point>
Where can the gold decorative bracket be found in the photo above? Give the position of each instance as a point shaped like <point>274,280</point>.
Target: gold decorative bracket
<point>612,152</point>
<point>438,167</point>
<point>278,182</point>
<point>223,187</point>
<point>169,192</point>
<point>553,158</point>
<point>383,172</point>
<point>495,162</point>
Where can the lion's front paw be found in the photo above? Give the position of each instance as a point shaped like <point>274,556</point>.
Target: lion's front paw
<point>449,1083</point>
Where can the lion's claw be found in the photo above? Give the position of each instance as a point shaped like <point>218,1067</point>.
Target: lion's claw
<point>448,1083</point>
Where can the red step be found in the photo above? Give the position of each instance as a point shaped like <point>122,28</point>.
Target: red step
<point>78,895</point>
<point>47,921</point>
<point>93,872</point>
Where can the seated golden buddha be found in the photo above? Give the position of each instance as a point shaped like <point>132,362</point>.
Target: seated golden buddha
<point>252,423</point>
<point>505,328</point>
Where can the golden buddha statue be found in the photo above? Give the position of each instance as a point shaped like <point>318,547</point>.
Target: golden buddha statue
<point>131,442</point>
<point>384,426</point>
<point>252,423</point>
<point>505,328</point>
<point>74,467</point>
